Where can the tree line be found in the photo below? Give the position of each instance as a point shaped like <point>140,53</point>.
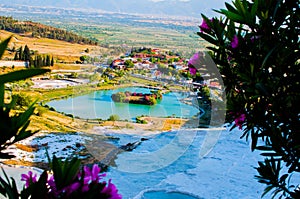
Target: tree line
<point>33,29</point>
<point>34,60</point>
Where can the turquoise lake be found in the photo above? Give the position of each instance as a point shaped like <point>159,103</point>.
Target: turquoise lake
<point>99,104</point>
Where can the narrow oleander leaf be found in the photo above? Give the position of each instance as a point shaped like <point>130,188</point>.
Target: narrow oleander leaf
<point>240,7</point>
<point>10,189</point>
<point>208,38</point>
<point>23,118</point>
<point>23,134</point>
<point>3,46</point>
<point>213,49</point>
<point>57,172</point>
<point>283,177</point>
<point>267,190</point>
<point>233,16</point>
<point>41,186</point>
<point>21,75</point>
<point>270,154</point>
<point>254,8</point>
<point>264,148</point>
<point>14,188</point>
<point>254,140</point>
<point>72,171</point>
<point>231,8</point>
<point>269,54</point>
<point>2,90</point>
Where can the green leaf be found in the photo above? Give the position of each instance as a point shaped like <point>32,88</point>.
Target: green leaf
<point>268,55</point>
<point>208,38</point>
<point>71,170</point>
<point>21,75</point>
<point>254,8</point>
<point>22,119</point>
<point>267,190</point>
<point>2,88</point>
<point>262,89</point>
<point>213,49</point>
<point>264,148</point>
<point>11,189</point>
<point>24,134</point>
<point>254,139</point>
<point>239,6</point>
<point>276,8</point>
<point>270,154</point>
<point>6,156</point>
<point>3,46</point>
<point>283,177</point>
<point>40,187</point>
<point>233,16</point>
<point>65,172</point>
<point>231,8</point>
<point>14,188</point>
<point>57,172</point>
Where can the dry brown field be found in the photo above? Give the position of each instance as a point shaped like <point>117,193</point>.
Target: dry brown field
<point>60,50</point>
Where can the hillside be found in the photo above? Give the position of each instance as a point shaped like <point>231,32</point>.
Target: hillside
<point>37,30</point>
<point>61,51</point>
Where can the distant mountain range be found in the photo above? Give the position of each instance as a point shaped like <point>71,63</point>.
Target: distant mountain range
<point>192,8</point>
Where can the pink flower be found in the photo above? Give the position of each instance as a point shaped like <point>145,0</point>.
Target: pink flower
<point>112,191</point>
<point>29,179</point>
<point>91,175</point>
<point>234,42</point>
<point>71,188</point>
<point>68,189</point>
<point>192,70</point>
<point>194,60</point>
<point>193,63</point>
<point>229,58</point>
<point>52,186</point>
<point>240,120</point>
<point>204,26</point>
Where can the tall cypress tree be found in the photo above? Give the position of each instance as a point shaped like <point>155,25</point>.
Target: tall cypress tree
<point>26,53</point>
<point>39,61</point>
<point>52,61</point>
<point>48,61</point>
<point>16,56</point>
<point>21,53</point>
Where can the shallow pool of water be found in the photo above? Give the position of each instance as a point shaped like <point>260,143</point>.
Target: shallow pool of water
<point>166,195</point>
<point>99,104</point>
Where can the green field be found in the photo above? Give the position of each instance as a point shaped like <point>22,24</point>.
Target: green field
<point>121,32</point>
<point>113,35</point>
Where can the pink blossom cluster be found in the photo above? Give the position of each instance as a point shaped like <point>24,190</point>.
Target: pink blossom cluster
<point>81,184</point>
<point>239,120</point>
<point>205,28</point>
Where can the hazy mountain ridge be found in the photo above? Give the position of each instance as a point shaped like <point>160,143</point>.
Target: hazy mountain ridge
<point>79,15</point>
<point>192,8</point>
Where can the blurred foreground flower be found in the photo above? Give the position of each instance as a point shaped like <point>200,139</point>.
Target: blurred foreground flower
<point>65,180</point>
<point>29,178</point>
